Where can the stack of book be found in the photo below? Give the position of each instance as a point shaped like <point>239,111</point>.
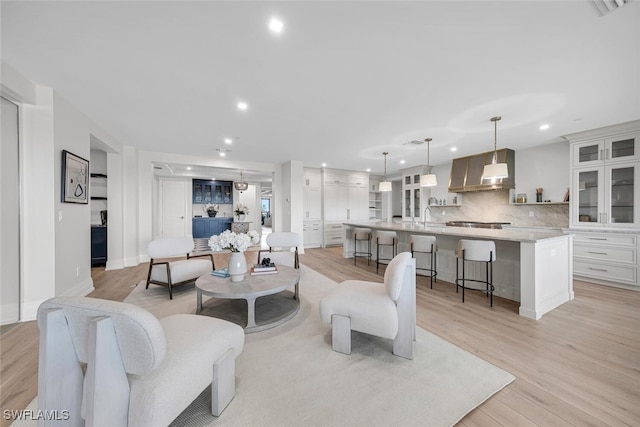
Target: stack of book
<point>221,272</point>
<point>259,269</point>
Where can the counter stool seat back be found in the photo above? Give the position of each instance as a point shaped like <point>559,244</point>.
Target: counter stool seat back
<point>425,245</point>
<point>359,235</point>
<point>476,251</point>
<point>385,238</point>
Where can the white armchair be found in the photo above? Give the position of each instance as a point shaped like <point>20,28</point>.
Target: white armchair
<point>386,309</point>
<point>140,371</point>
<point>178,272</point>
<point>283,248</point>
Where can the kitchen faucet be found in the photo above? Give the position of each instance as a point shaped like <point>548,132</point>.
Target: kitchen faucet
<point>428,208</point>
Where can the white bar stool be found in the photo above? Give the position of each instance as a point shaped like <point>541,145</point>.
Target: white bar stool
<point>477,251</point>
<point>385,238</point>
<point>361,234</point>
<point>426,245</point>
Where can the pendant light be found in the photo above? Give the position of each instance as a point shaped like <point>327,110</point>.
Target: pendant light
<point>385,185</point>
<point>495,170</point>
<point>428,180</point>
<point>241,185</point>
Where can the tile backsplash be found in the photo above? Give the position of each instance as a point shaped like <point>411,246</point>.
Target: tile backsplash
<point>493,206</point>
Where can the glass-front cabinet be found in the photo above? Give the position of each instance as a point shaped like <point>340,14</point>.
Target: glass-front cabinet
<point>609,150</point>
<point>208,191</point>
<point>605,177</point>
<point>413,197</point>
<point>607,195</point>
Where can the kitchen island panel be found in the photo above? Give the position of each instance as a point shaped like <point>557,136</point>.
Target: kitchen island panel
<point>534,268</point>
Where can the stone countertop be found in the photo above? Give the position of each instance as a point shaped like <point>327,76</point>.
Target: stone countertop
<point>506,234</point>
<point>214,217</point>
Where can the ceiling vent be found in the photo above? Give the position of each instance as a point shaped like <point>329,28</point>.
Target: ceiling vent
<point>607,6</point>
<point>414,142</point>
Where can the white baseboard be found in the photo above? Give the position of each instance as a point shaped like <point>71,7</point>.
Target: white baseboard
<point>30,310</point>
<point>82,289</point>
<point>10,314</point>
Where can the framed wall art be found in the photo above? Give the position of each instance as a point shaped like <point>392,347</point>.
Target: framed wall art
<point>75,178</point>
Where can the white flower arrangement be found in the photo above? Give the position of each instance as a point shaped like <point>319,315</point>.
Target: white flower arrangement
<point>241,209</point>
<point>209,207</point>
<point>235,242</point>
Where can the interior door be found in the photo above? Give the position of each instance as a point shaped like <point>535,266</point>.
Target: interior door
<point>9,216</point>
<point>174,197</point>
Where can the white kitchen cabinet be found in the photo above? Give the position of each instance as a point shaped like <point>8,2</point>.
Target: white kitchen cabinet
<point>345,197</point>
<point>622,148</point>
<point>312,234</point>
<point>606,196</point>
<point>312,178</point>
<point>414,197</point>
<point>312,204</point>
<point>607,258</point>
<point>358,198</point>
<point>605,177</point>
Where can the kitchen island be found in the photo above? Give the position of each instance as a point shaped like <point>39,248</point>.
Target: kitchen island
<point>534,268</point>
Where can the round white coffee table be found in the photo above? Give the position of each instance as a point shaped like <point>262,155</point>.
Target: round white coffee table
<point>274,312</point>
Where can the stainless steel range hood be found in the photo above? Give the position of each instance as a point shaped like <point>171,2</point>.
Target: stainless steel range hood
<point>466,172</point>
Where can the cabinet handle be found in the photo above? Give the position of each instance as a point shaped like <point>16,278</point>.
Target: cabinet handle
<point>597,253</point>
<point>601,157</point>
<point>606,154</point>
<point>598,269</point>
<point>598,238</point>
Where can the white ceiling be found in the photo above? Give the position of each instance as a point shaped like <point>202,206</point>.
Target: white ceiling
<point>343,83</point>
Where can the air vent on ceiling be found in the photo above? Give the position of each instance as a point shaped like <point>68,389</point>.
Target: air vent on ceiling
<point>607,6</point>
<point>414,142</point>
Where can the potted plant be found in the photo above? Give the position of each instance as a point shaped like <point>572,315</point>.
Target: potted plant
<point>240,211</point>
<point>212,210</point>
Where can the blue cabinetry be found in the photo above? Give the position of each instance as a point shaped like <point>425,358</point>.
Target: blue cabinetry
<point>99,245</point>
<point>209,191</point>
<point>207,227</point>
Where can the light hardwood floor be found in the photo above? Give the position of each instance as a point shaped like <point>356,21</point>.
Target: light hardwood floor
<point>579,365</point>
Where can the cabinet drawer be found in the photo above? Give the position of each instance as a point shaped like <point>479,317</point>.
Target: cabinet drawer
<point>606,239</point>
<point>614,273</point>
<point>605,253</point>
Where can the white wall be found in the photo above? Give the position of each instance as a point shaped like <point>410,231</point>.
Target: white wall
<point>55,236</point>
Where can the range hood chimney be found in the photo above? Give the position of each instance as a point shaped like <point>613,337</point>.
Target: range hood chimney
<point>466,172</point>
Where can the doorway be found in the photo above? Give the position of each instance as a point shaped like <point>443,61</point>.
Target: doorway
<point>10,216</point>
<point>173,210</point>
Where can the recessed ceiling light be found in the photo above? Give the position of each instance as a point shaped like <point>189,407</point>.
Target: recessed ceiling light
<point>242,106</point>
<point>228,141</point>
<point>276,25</point>
<point>223,154</point>
<point>454,148</point>
<point>188,168</point>
<point>544,127</point>
<point>368,169</point>
<point>324,165</point>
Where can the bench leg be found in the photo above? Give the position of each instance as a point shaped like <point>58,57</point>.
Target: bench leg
<point>341,333</point>
<point>223,386</point>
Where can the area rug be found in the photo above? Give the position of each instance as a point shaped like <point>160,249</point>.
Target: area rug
<point>289,376</point>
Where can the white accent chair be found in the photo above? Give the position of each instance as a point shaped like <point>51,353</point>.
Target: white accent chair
<point>174,273</point>
<point>140,371</point>
<point>283,248</point>
<point>386,309</point>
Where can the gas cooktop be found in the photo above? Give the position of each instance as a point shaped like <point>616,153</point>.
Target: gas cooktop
<point>477,224</point>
